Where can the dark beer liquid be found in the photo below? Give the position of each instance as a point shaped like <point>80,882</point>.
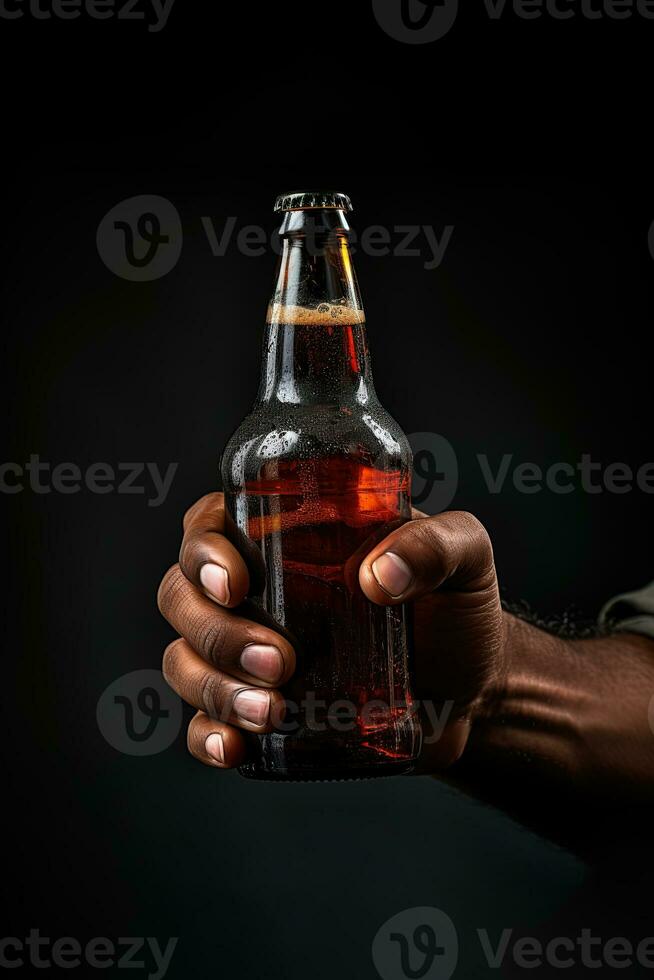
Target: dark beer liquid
<point>347,708</point>
<point>315,477</point>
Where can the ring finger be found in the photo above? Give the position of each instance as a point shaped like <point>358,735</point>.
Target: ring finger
<point>220,695</point>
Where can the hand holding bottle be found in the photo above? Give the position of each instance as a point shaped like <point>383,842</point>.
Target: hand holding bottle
<point>230,667</point>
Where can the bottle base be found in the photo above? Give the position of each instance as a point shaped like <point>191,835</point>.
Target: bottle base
<point>316,775</point>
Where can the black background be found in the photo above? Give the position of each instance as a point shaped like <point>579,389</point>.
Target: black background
<point>532,338</point>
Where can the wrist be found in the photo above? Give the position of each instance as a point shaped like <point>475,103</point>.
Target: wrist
<point>517,638</point>
<point>534,704</point>
<point>563,742</point>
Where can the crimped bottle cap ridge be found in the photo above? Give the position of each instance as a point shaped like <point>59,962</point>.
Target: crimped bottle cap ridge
<point>299,200</point>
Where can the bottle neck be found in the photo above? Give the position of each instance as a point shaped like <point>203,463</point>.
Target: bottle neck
<point>315,346</point>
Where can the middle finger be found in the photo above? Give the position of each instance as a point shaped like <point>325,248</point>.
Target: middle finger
<point>218,694</point>
<point>242,647</point>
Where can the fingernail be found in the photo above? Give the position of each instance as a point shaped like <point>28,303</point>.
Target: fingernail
<point>262,661</point>
<point>216,582</point>
<point>392,573</point>
<point>214,747</point>
<point>252,706</point>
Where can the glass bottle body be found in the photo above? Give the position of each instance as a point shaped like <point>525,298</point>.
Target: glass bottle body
<point>314,477</point>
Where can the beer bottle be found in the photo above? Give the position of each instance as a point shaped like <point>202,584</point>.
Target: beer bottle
<point>314,477</point>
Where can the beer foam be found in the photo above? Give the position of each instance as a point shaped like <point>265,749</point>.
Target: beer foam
<point>323,315</point>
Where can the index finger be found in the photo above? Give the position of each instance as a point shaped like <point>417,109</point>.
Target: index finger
<point>208,558</point>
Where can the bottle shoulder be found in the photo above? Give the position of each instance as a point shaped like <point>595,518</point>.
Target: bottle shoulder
<point>362,434</point>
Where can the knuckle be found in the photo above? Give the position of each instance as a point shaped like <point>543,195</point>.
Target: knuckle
<point>454,543</point>
<point>194,736</point>
<point>430,537</point>
<point>191,739</point>
<point>477,535</point>
<point>212,637</point>
<point>470,524</point>
<point>210,502</point>
<point>192,511</point>
<point>170,664</point>
<point>195,552</point>
<point>213,694</point>
<point>429,531</point>
<point>187,553</point>
<point>169,588</point>
<point>476,548</point>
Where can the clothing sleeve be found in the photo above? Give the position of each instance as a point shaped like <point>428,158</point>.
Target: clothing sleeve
<point>632,612</point>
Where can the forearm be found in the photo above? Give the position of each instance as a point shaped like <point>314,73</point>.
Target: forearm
<point>567,727</point>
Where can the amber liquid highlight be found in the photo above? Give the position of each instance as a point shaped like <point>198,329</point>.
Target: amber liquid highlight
<point>349,707</point>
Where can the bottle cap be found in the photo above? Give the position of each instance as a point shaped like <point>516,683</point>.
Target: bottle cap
<point>299,200</point>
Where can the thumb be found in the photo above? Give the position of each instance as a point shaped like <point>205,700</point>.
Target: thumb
<point>451,550</point>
